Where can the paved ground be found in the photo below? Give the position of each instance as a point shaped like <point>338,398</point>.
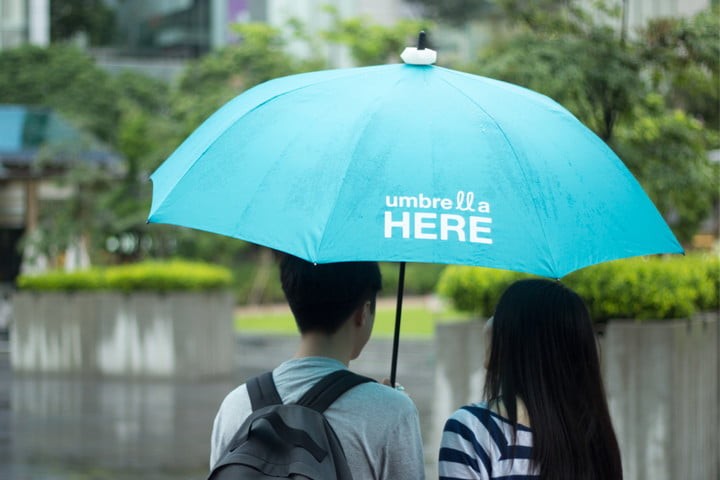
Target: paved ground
<point>63,428</point>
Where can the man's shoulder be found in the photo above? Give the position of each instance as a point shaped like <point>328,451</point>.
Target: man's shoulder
<point>235,403</point>
<point>361,398</point>
<point>370,396</point>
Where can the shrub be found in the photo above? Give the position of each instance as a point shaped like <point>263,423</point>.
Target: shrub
<point>706,269</point>
<point>167,276</point>
<point>640,288</point>
<point>476,289</point>
<point>93,279</point>
<point>152,276</point>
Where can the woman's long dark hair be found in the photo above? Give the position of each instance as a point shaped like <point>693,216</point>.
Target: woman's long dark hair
<point>543,351</point>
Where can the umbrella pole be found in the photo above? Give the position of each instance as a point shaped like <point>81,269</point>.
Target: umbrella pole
<point>398,315</point>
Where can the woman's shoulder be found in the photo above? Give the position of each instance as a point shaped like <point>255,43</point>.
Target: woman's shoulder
<point>473,410</point>
<point>481,414</point>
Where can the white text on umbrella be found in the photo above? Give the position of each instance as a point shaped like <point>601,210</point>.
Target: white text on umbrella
<point>427,226</point>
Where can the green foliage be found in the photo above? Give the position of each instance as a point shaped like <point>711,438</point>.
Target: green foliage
<point>420,278</point>
<point>554,47</point>
<point>245,274</point>
<point>147,276</point>
<point>77,217</point>
<point>167,276</point>
<point>649,288</point>
<point>208,83</point>
<point>683,55</point>
<point>63,78</point>
<point>654,100</point>
<point>476,289</point>
<point>667,150</point>
<point>639,288</point>
<point>145,136</point>
<point>373,44</point>
<point>599,86</point>
<point>550,16</point>
<point>128,112</point>
<point>93,279</point>
<point>91,17</point>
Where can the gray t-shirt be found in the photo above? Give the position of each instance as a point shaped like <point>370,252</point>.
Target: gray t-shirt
<point>378,426</point>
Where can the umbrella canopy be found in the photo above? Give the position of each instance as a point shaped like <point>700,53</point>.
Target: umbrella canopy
<point>409,163</point>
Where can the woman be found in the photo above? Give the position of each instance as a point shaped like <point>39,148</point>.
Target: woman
<point>545,414</point>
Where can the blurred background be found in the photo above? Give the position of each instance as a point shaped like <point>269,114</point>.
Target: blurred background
<point>95,94</point>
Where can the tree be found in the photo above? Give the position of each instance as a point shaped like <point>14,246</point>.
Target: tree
<point>204,86</point>
<point>548,16</point>
<point>209,82</point>
<point>683,59</point>
<point>67,81</point>
<point>646,99</point>
<point>369,43</point>
<point>129,113</point>
<point>599,85</point>
<point>63,78</point>
<point>683,56</point>
<point>145,136</point>
<point>666,149</point>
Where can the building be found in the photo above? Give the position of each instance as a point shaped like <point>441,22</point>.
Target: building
<point>636,13</point>
<point>23,22</point>
<point>158,37</point>
<point>165,32</point>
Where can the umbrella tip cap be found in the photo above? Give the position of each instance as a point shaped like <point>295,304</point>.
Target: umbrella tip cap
<point>422,40</point>
<point>420,55</point>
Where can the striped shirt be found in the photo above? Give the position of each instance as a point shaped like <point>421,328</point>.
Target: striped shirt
<point>478,444</point>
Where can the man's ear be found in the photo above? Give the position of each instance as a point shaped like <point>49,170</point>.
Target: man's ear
<point>362,314</point>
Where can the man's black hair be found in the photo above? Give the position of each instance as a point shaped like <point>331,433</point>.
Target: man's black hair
<point>322,296</point>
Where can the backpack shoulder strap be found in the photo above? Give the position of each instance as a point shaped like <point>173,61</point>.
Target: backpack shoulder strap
<point>262,391</point>
<point>329,388</point>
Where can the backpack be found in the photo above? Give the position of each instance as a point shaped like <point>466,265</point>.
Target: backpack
<point>291,440</point>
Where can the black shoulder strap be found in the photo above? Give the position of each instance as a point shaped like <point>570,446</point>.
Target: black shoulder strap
<point>329,388</point>
<point>262,391</point>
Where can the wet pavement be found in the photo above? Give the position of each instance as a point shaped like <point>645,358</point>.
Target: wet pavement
<point>73,428</point>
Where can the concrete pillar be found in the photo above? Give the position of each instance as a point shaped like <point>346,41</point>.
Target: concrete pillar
<point>662,385</point>
<point>185,335</point>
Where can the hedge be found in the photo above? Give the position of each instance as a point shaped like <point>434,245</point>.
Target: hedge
<point>640,288</point>
<point>146,276</point>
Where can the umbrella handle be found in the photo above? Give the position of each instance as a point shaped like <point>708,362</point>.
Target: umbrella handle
<point>398,316</point>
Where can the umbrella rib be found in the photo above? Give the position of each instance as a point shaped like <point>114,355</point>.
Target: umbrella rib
<point>347,168</point>
<point>515,155</point>
<point>350,71</point>
<point>339,190</point>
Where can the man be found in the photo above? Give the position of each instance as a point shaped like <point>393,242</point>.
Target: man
<point>334,308</point>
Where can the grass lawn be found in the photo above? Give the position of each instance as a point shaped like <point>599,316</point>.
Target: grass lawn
<point>418,322</point>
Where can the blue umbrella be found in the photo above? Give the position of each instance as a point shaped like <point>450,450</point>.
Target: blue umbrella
<point>409,163</point>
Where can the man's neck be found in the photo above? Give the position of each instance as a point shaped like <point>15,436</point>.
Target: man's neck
<point>315,344</point>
